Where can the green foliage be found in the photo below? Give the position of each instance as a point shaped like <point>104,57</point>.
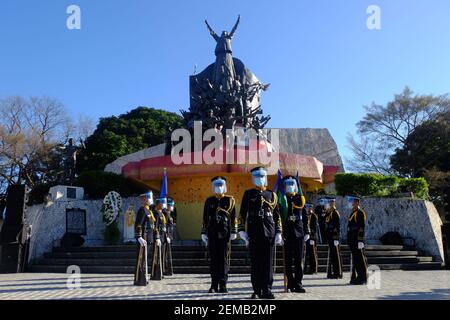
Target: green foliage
<point>378,185</point>
<point>117,136</point>
<point>112,233</point>
<point>98,183</point>
<point>418,186</point>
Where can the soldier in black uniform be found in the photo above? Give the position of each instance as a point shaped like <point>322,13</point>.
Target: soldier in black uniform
<point>170,223</point>
<point>143,218</point>
<point>333,233</point>
<point>260,216</point>
<point>295,232</point>
<point>311,245</point>
<point>159,236</point>
<point>219,228</point>
<point>321,212</point>
<point>355,238</point>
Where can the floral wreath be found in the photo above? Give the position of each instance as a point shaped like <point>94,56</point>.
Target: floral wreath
<point>111,208</point>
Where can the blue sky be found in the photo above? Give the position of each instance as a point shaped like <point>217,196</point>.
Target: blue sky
<point>321,60</point>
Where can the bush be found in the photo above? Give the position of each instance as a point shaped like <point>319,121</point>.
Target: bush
<point>112,233</point>
<point>418,186</point>
<point>97,184</point>
<point>367,184</point>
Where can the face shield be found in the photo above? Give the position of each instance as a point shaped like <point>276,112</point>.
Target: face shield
<point>219,186</point>
<point>290,186</point>
<point>164,203</point>
<point>259,177</point>
<point>149,196</point>
<point>350,202</point>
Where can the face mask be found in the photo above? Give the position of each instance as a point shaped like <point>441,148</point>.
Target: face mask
<point>219,189</point>
<point>150,202</point>
<point>290,189</point>
<point>260,181</point>
<point>327,206</point>
<point>171,208</point>
<point>349,205</point>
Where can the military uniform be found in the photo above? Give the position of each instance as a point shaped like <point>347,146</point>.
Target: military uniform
<point>311,262</point>
<point>219,222</point>
<point>355,234</point>
<point>167,254</point>
<point>159,233</point>
<point>260,218</point>
<point>140,230</point>
<point>321,215</point>
<point>333,233</point>
<point>295,227</point>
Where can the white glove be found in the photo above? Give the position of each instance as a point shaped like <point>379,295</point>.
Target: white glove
<point>233,236</point>
<point>244,236</point>
<point>168,240</point>
<point>306,237</point>
<point>360,245</point>
<point>312,242</point>
<point>336,243</point>
<point>205,239</point>
<point>141,241</point>
<point>158,242</point>
<point>279,239</point>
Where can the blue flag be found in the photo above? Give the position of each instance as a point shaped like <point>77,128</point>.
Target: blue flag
<point>164,192</point>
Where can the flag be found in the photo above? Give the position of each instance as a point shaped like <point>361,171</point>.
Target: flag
<point>282,201</point>
<point>300,191</point>
<point>163,193</point>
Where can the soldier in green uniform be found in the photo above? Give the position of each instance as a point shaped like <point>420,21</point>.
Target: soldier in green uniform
<point>260,227</point>
<point>295,233</point>
<point>333,233</point>
<point>311,263</point>
<point>355,239</point>
<point>219,228</point>
<point>143,219</point>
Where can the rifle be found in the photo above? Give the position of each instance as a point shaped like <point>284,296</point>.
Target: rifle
<point>136,276</point>
<point>146,263</point>
<point>285,280</point>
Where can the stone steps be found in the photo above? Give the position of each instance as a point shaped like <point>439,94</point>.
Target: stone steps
<point>192,258</point>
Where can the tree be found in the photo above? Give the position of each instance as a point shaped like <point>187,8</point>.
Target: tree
<point>31,133</point>
<point>117,136</point>
<point>426,153</point>
<point>386,128</point>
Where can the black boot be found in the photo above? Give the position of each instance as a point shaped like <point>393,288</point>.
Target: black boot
<point>267,294</point>
<point>213,289</point>
<point>299,289</point>
<point>223,289</point>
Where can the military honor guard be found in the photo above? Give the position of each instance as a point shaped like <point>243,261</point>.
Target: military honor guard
<point>321,213</point>
<point>159,235</point>
<point>260,227</point>
<point>295,233</point>
<point>143,218</point>
<point>170,223</point>
<point>333,234</point>
<point>219,228</point>
<point>355,238</point>
<point>311,261</point>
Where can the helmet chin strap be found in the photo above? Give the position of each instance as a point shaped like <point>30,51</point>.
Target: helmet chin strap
<point>220,195</point>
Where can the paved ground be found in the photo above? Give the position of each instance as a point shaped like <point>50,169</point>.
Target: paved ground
<point>394,285</point>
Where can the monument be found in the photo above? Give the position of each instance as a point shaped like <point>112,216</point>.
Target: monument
<point>226,96</point>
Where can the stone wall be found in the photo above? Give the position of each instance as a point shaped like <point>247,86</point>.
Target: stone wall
<point>49,223</point>
<point>416,219</point>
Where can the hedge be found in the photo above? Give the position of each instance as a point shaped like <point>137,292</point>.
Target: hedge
<point>378,185</point>
<point>97,184</point>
